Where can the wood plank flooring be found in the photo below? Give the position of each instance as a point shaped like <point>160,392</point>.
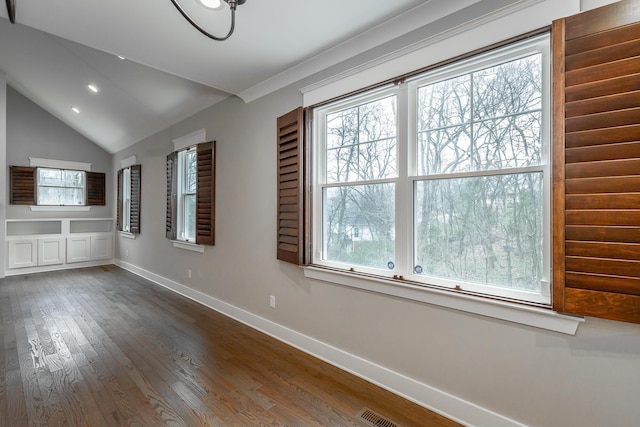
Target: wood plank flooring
<point>104,347</point>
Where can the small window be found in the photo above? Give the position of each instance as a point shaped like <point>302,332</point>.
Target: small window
<point>60,187</point>
<point>46,186</point>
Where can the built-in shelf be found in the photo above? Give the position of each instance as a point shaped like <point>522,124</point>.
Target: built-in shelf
<point>36,245</point>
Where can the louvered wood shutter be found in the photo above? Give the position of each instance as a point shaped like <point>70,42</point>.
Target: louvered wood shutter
<point>172,196</point>
<point>205,193</point>
<point>96,189</point>
<point>136,195</point>
<point>22,185</point>
<point>596,196</point>
<point>291,201</point>
<point>120,191</point>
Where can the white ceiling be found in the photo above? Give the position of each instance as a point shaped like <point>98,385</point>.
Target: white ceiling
<point>172,71</point>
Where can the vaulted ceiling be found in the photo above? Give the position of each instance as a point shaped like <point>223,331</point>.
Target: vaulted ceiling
<point>171,71</point>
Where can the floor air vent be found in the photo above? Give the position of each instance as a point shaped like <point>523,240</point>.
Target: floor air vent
<point>375,419</point>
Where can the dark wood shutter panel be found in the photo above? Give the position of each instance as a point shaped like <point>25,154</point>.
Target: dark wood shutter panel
<point>172,196</point>
<point>206,193</point>
<point>22,185</point>
<point>291,201</point>
<point>136,195</point>
<point>120,191</point>
<point>596,197</point>
<point>96,189</point>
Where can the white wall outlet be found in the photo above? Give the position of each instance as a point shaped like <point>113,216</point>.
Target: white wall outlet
<point>272,301</point>
<point>126,253</point>
<point>189,273</point>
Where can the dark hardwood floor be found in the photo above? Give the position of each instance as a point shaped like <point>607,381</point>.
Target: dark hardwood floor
<point>103,347</point>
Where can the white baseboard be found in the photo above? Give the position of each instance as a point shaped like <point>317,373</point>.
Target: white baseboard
<point>443,403</point>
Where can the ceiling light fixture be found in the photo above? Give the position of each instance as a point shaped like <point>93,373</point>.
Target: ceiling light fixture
<point>75,109</point>
<point>11,10</point>
<point>211,4</point>
<point>93,88</point>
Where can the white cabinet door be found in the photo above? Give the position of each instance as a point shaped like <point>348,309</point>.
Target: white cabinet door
<point>78,249</point>
<point>101,247</point>
<point>23,253</point>
<point>51,251</point>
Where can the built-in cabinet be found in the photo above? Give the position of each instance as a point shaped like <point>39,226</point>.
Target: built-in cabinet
<point>51,244</point>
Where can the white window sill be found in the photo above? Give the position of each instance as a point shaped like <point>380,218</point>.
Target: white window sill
<point>35,208</point>
<point>127,235</point>
<point>188,246</point>
<point>512,312</point>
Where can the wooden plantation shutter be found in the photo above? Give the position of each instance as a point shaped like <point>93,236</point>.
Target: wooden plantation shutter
<point>120,192</point>
<point>291,201</point>
<point>172,196</point>
<point>22,185</point>
<point>136,194</point>
<point>205,193</point>
<point>96,189</point>
<point>596,196</point>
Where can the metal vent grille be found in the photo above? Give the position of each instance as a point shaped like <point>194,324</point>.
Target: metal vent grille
<point>374,419</point>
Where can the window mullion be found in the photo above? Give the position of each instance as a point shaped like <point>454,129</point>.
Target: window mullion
<point>404,191</point>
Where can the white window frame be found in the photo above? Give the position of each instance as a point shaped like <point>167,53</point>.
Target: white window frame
<point>183,193</point>
<point>407,168</point>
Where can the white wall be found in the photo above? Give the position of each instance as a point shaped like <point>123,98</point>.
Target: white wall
<point>515,373</point>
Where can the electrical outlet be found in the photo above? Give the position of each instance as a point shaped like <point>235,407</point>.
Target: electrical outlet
<point>189,273</point>
<point>126,253</point>
<point>272,301</point>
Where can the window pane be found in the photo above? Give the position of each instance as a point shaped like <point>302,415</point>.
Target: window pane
<point>72,178</point>
<point>445,150</point>
<point>49,176</point>
<point>498,127</point>
<point>361,142</point>
<point>510,88</point>
<point>191,173</point>
<point>190,217</point>
<point>359,225</point>
<point>485,230</point>
<point>510,142</point>
<point>444,104</point>
<point>58,196</point>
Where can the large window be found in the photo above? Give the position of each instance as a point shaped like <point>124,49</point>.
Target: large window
<point>443,179</point>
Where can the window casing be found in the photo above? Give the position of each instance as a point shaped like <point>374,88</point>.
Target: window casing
<point>444,179</point>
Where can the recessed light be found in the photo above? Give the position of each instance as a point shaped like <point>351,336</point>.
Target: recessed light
<point>93,88</point>
<point>211,4</point>
<point>121,57</point>
<point>75,109</point>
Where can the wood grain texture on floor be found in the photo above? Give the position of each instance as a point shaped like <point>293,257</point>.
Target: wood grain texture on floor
<point>104,347</point>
